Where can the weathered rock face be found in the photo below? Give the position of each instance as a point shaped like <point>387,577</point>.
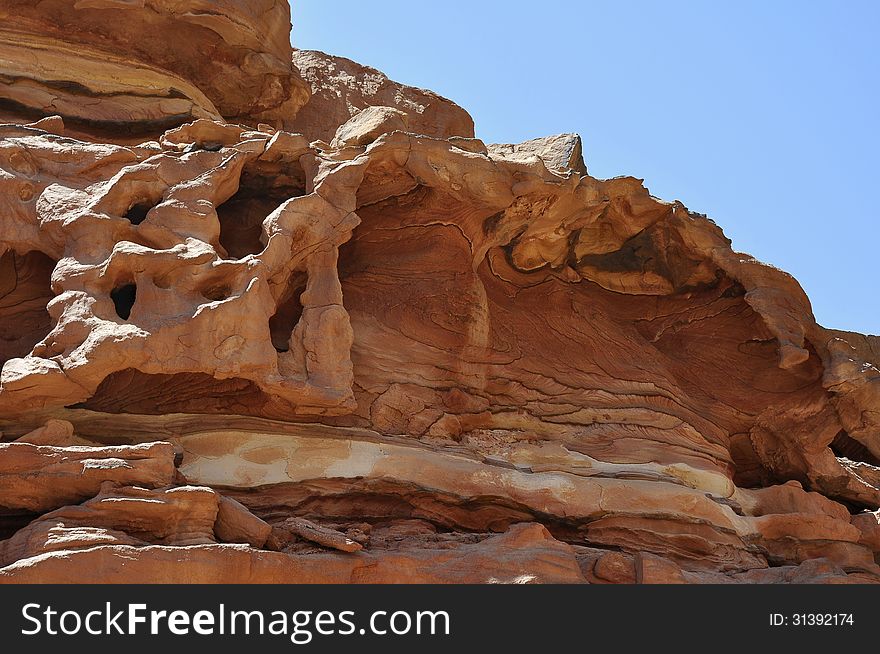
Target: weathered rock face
<point>359,345</point>
<point>342,88</point>
<point>135,67</point>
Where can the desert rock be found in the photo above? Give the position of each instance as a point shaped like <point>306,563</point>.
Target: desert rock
<point>40,478</point>
<point>526,554</point>
<point>341,88</point>
<point>269,316</point>
<point>108,64</point>
<point>235,524</point>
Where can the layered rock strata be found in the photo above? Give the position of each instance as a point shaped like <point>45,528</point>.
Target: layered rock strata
<point>268,316</point>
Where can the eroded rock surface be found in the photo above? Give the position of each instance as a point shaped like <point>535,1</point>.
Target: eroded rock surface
<point>268,316</point>
<point>132,67</point>
<point>341,88</point>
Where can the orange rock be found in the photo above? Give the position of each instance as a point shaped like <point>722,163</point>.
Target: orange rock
<point>123,516</point>
<point>56,433</point>
<point>615,568</point>
<point>342,309</point>
<point>340,88</point>
<point>526,554</point>
<point>40,478</point>
<point>868,524</point>
<point>788,498</point>
<point>310,531</point>
<point>369,124</point>
<point>653,569</point>
<point>118,71</point>
<point>235,524</point>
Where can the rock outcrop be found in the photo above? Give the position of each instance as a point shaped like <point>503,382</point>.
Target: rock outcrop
<point>129,68</point>
<point>268,316</point>
<point>341,89</point>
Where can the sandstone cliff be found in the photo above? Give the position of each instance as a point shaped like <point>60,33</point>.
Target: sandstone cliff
<point>269,316</point>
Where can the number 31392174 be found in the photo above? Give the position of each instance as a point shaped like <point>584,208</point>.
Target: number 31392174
<point>812,619</point>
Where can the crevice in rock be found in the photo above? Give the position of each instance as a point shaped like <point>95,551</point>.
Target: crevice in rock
<point>124,297</point>
<point>352,501</point>
<point>11,521</point>
<point>25,291</point>
<point>288,312</point>
<point>845,446</point>
<point>133,391</point>
<point>138,211</point>
<point>101,130</point>
<point>217,293</point>
<point>241,223</point>
<point>241,216</point>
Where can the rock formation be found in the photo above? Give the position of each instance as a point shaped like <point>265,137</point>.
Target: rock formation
<point>269,316</point>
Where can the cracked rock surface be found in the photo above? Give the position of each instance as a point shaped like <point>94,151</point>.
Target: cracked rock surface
<point>269,316</point>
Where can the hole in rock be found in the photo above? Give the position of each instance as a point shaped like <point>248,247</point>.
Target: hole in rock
<point>845,446</point>
<point>123,299</point>
<point>11,521</point>
<point>162,282</point>
<point>380,501</point>
<point>288,313</point>
<point>653,250</point>
<point>24,293</point>
<point>110,130</point>
<point>133,391</point>
<point>137,212</point>
<point>216,293</point>
<point>259,194</point>
<point>734,290</point>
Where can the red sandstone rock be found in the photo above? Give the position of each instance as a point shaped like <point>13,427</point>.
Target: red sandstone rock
<point>227,58</point>
<point>615,568</point>
<point>235,524</point>
<point>653,569</point>
<point>868,524</point>
<point>455,362</point>
<point>40,478</point>
<point>320,535</point>
<point>44,536</point>
<point>526,554</point>
<point>123,516</point>
<point>341,88</point>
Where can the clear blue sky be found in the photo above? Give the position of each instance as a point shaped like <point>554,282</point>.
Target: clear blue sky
<point>761,114</point>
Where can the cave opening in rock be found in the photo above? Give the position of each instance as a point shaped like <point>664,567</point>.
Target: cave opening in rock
<point>846,446</point>
<point>24,293</point>
<point>217,293</point>
<point>137,212</point>
<point>259,194</point>
<point>12,521</point>
<point>288,312</point>
<point>136,392</point>
<point>124,297</point>
<point>385,502</point>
